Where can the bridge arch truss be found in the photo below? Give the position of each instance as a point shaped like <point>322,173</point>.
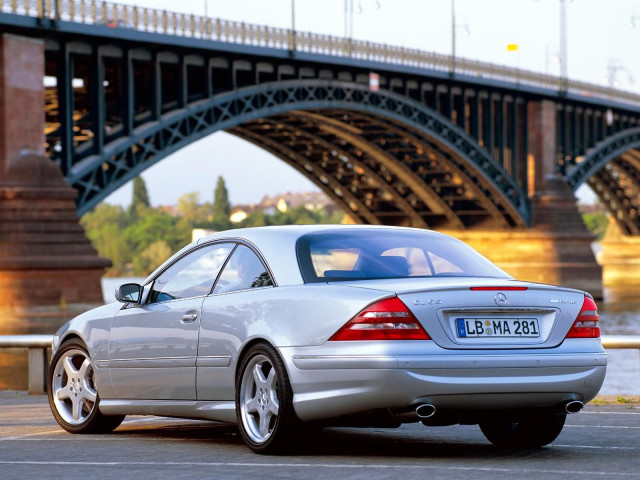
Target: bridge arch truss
<point>381,157</point>
<point>612,170</point>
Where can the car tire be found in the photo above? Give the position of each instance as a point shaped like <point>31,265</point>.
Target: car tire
<point>534,432</point>
<point>264,402</point>
<point>72,392</point>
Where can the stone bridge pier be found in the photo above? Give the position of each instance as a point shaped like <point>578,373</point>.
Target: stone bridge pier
<point>48,269</point>
<point>557,247</point>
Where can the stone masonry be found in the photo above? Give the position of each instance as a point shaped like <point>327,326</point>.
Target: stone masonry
<point>48,269</point>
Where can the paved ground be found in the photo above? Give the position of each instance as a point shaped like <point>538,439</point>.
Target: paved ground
<point>601,442</point>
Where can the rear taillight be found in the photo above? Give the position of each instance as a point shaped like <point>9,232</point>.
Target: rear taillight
<point>587,325</point>
<point>388,319</point>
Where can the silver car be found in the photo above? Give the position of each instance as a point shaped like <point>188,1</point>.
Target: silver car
<point>279,329</point>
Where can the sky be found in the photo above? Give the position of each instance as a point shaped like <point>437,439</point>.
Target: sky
<point>601,49</point>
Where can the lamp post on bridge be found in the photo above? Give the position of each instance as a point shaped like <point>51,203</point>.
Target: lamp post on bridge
<point>613,67</point>
<point>293,24</point>
<point>348,18</point>
<point>454,26</point>
<point>564,81</point>
<point>453,37</point>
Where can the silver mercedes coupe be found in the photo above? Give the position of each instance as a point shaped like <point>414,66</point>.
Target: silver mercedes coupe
<point>283,330</point>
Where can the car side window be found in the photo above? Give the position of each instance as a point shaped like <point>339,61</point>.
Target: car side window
<point>243,271</point>
<point>191,276</point>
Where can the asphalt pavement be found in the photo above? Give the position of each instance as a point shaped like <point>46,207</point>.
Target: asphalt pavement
<point>601,442</point>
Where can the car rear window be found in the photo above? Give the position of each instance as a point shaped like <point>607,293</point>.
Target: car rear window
<point>369,254</point>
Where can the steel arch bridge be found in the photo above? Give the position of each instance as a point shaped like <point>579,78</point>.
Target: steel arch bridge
<point>434,147</point>
<point>382,157</point>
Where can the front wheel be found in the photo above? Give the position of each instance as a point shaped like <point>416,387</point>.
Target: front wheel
<point>533,432</point>
<point>72,393</point>
<point>264,398</point>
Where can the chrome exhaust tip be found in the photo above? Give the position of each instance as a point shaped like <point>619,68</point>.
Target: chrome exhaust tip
<point>426,411</point>
<point>574,406</point>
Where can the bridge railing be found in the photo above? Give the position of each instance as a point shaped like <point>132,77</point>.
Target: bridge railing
<point>196,26</point>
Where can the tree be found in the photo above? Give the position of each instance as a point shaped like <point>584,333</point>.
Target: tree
<point>156,225</point>
<point>188,208</point>
<point>221,206</point>
<point>596,223</point>
<point>151,257</point>
<point>140,200</point>
<point>104,226</point>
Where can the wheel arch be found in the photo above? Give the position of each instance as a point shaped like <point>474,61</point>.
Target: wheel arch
<point>72,335</point>
<point>247,346</point>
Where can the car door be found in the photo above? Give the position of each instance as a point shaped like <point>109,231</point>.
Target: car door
<point>237,303</point>
<point>153,347</point>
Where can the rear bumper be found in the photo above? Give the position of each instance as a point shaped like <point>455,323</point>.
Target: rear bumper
<point>328,386</point>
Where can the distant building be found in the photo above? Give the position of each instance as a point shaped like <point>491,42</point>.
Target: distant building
<point>591,208</point>
<point>283,203</point>
<point>240,213</point>
<point>308,200</point>
<point>170,209</point>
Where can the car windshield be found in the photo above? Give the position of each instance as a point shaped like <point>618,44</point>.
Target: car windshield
<point>368,254</point>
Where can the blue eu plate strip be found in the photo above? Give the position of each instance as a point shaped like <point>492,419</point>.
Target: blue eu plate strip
<point>462,332</point>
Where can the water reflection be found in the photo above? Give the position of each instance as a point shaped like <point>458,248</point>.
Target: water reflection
<point>620,311</point>
<point>13,369</point>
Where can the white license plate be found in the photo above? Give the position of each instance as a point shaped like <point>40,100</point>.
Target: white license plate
<point>497,327</point>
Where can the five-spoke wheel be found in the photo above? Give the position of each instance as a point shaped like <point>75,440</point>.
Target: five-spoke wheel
<point>72,392</point>
<point>264,401</point>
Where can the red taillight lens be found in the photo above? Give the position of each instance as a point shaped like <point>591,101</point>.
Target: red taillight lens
<point>587,325</point>
<point>388,319</point>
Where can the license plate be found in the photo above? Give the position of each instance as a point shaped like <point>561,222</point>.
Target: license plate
<point>497,327</point>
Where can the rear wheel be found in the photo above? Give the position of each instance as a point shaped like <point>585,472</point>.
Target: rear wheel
<point>533,432</point>
<point>72,392</point>
<point>264,407</point>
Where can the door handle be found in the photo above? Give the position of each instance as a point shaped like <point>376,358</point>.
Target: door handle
<point>189,317</point>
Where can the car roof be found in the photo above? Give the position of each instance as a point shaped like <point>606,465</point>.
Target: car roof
<point>296,231</point>
<point>278,245</point>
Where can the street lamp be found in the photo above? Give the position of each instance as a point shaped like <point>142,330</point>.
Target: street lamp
<point>360,9</point>
<point>348,17</point>
<point>454,27</point>
<point>550,55</point>
<point>562,54</point>
<point>563,45</point>
<point>293,24</point>
<point>613,67</point>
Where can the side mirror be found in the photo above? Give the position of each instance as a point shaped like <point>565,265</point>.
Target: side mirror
<point>129,293</point>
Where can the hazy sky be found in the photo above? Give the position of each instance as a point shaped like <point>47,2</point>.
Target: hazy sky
<point>598,37</point>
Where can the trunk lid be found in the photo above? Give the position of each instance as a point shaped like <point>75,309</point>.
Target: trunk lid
<point>483,313</point>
